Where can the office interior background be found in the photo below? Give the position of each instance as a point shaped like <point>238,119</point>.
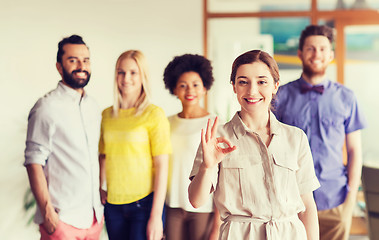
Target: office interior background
<point>220,29</point>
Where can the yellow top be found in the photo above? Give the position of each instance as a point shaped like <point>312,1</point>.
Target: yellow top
<point>129,143</point>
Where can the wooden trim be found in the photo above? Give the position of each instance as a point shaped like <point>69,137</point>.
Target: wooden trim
<point>205,42</point>
<point>314,18</point>
<point>340,51</point>
<point>351,15</point>
<point>348,15</point>
<point>205,28</point>
<point>261,14</point>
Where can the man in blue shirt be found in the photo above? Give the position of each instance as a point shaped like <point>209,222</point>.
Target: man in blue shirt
<point>328,113</point>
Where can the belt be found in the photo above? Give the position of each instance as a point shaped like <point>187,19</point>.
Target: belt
<point>270,224</point>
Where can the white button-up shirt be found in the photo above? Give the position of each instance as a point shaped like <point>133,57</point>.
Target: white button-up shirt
<point>63,135</point>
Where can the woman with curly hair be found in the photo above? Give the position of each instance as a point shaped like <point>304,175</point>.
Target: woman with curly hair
<point>188,77</point>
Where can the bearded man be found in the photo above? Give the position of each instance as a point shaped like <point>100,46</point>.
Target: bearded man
<point>61,151</point>
<point>328,113</point>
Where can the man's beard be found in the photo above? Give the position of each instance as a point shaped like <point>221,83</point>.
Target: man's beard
<point>75,83</point>
<point>310,72</point>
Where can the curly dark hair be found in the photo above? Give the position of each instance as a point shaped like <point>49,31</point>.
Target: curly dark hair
<point>188,63</point>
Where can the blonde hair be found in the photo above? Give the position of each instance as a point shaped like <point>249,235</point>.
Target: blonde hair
<point>144,99</point>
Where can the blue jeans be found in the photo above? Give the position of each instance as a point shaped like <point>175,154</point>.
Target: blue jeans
<point>128,221</point>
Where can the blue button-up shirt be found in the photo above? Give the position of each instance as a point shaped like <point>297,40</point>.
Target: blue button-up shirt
<point>326,119</point>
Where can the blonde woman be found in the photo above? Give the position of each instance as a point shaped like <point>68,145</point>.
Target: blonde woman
<point>134,148</point>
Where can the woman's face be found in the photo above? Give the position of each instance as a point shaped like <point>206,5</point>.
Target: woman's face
<point>255,87</point>
<point>190,88</point>
<point>129,80</point>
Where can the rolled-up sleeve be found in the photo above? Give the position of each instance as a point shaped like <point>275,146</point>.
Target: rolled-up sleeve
<point>38,139</point>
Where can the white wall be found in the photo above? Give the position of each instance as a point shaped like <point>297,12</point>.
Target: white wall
<point>29,34</point>
<point>226,41</point>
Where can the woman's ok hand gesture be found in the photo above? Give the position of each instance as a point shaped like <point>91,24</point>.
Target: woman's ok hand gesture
<point>213,153</point>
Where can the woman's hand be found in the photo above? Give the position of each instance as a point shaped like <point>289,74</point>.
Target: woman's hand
<point>102,181</point>
<point>213,153</point>
<point>103,196</point>
<point>201,185</point>
<point>154,229</point>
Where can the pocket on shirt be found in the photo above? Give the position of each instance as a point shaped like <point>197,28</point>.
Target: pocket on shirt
<point>285,161</point>
<point>235,176</point>
<point>333,127</point>
<point>285,167</point>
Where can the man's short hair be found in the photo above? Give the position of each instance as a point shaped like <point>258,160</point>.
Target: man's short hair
<point>73,39</point>
<point>315,30</point>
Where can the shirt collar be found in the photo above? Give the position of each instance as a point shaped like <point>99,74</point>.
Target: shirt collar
<point>71,93</point>
<point>323,83</point>
<point>240,129</point>
<point>274,125</point>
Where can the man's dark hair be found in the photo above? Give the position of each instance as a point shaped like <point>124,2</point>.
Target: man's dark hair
<point>73,39</point>
<point>314,30</point>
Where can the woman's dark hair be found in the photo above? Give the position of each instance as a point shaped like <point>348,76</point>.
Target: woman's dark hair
<point>73,39</point>
<point>315,30</point>
<point>188,63</point>
<point>255,56</point>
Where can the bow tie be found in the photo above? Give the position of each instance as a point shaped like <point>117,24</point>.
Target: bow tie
<point>306,88</point>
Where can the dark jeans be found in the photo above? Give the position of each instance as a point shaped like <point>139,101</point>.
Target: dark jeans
<point>128,221</point>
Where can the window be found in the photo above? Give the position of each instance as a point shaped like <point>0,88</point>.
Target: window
<point>234,26</point>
